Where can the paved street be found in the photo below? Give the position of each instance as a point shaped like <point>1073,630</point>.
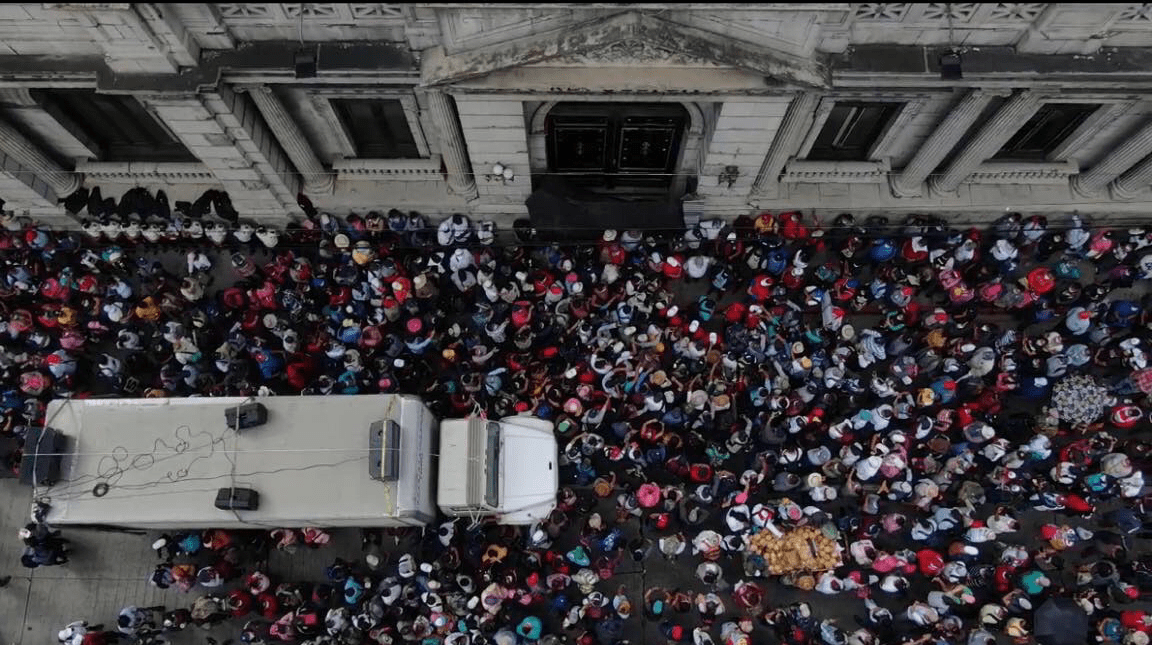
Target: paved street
<point>110,570</point>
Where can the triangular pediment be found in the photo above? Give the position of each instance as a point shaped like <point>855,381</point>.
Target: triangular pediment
<point>629,39</point>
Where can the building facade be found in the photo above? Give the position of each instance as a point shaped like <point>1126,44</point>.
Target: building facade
<point>445,108</point>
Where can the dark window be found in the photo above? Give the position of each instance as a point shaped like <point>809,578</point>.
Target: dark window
<point>1048,128</point>
<point>377,127</point>
<point>116,126</point>
<point>851,130</point>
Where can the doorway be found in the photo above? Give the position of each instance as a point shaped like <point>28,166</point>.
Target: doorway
<point>623,150</point>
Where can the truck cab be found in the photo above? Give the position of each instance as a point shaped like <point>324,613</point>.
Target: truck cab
<point>504,469</point>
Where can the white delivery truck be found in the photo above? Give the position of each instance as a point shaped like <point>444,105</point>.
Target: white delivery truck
<point>284,461</point>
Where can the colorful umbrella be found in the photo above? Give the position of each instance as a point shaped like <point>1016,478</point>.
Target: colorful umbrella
<point>1079,399</point>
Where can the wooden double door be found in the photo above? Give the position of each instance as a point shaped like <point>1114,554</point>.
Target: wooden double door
<point>620,149</point>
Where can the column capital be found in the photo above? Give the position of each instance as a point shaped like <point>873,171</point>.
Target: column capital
<point>252,88</point>
<point>1083,189</point>
<point>899,189</point>
<point>16,97</point>
<point>1133,183</point>
<point>1119,191</point>
<point>990,92</point>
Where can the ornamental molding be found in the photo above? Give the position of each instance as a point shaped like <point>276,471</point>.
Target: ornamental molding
<point>388,169</point>
<point>800,171</point>
<point>166,172</point>
<point>1138,13</point>
<point>248,14</point>
<point>1020,172</point>
<point>632,51</point>
<point>962,11</point>
<point>89,6</point>
<point>882,11</point>
<point>1016,11</point>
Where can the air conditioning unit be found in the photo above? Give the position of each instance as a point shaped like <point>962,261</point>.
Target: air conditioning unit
<point>43,449</point>
<point>237,499</point>
<point>249,415</point>
<point>384,450</point>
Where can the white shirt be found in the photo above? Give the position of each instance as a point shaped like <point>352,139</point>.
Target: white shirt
<point>268,238</point>
<point>922,614</point>
<point>73,633</point>
<point>217,234</point>
<point>867,468</point>
<point>198,262</point>
<point>697,266</point>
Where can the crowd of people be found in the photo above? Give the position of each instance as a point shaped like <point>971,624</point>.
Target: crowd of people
<point>913,388</point>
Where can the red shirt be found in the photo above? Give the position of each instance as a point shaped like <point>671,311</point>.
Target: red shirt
<point>1134,619</point>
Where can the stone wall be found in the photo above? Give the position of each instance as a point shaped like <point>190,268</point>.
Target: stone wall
<point>473,81</point>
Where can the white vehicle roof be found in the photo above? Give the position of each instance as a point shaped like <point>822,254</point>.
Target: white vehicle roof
<point>531,475</point>
<point>527,472</point>
<point>164,459</point>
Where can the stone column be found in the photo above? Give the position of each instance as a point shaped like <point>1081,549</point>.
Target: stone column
<point>992,137</point>
<point>317,180</point>
<point>1133,182</point>
<point>910,181</point>
<point>1134,148</point>
<point>29,155</point>
<point>452,150</point>
<point>788,137</point>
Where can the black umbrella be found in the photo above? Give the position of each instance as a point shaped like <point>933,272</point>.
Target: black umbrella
<point>1060,621</point>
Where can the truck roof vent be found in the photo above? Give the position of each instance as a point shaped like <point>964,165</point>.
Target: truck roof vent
<point>384,448</point>
<point>249,415</point>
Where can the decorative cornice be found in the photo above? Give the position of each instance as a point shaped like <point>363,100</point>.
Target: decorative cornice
<point>387,169</point>
<point>1016,172</point>
<point>169,173</point>
<point>835,172</point>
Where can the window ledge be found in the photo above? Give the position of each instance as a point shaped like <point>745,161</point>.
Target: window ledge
<point>192,172</point>
<point>387,169</point>
<point>1024,172</point>
<point>800,171</point>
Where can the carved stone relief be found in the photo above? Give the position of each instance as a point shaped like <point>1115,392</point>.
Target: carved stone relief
<point>633,50</point>
<point>1016,11</point>
<point>893,11</point>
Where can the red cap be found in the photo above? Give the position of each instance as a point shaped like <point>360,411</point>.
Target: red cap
<point>414,325</point>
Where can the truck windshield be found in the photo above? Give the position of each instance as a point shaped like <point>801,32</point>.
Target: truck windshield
<point>492,484</point>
